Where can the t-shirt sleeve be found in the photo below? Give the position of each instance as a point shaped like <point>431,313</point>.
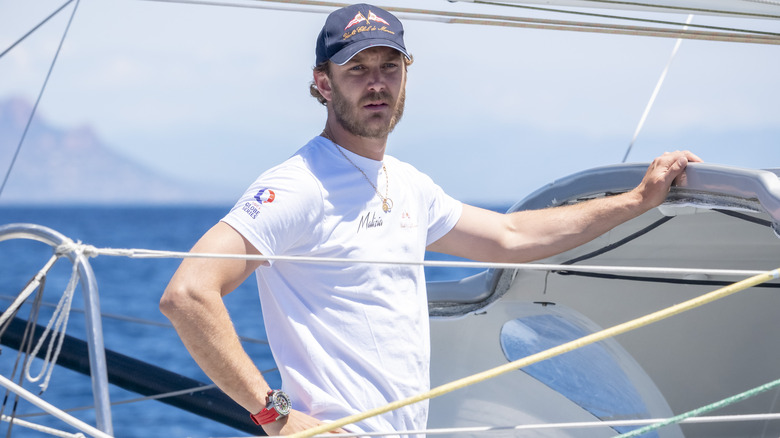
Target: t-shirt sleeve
<point>443,214</point>
<point>276,208</point>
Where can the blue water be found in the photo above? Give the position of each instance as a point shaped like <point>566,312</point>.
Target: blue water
<point>132,288</point>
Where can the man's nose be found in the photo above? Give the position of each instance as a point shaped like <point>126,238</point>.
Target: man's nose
<point>376,81</point>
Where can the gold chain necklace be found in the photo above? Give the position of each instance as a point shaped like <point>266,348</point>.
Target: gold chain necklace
<point>387,203</point>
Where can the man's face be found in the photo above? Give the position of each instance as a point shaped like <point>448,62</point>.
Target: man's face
<point>368,92</point>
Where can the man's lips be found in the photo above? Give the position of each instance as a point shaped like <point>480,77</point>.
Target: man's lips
<point>375,105</point>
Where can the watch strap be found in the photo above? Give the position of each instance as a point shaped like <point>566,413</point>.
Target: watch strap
<point>277,405</point>
<point>266,416</point>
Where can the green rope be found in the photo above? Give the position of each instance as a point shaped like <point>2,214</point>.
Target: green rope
<point>704,409</point>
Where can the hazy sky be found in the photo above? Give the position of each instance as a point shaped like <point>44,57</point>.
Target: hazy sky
<point>220,94</point>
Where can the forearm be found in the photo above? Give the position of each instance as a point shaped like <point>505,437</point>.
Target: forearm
<point>204,327</point>
<point>539,234</point>
<point>530,235</point>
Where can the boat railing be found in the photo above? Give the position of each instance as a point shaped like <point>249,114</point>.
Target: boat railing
<point>94,330</point>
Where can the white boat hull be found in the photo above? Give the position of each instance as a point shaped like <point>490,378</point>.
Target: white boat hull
<point>693,359</point>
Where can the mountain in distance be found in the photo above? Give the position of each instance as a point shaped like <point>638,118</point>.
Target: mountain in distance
<point>73,166</point>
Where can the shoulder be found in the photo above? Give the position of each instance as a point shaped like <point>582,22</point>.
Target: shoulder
<point>408,170</point>
<point>294,175</point>
<point>287,189</point>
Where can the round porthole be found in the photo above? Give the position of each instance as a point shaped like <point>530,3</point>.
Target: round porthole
<point>592,376</point>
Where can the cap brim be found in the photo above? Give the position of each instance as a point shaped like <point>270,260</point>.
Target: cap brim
<point>344,55</point>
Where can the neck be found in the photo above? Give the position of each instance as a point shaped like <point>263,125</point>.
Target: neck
<point>373,148</point>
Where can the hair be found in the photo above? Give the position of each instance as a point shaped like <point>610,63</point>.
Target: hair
<point>324,67</point>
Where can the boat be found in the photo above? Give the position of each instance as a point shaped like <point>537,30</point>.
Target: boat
<point>723,218</point>
<point>718,226</point>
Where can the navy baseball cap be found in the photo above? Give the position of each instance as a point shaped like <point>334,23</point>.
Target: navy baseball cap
<point>353,28</point>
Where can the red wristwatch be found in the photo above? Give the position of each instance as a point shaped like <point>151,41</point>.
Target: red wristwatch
<point>277,406</point>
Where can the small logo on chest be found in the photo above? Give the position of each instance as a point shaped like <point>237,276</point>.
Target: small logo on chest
<point>370,220</point>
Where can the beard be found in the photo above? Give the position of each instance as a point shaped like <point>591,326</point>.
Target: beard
<point>347,114</point>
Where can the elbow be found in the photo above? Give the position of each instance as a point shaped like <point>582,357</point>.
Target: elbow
<point>174,300</point>
<point>185,298</point>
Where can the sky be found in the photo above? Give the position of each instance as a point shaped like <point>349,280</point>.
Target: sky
<point>219,94</point>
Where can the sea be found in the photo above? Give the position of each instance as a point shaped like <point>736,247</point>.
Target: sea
<point>129,293</point>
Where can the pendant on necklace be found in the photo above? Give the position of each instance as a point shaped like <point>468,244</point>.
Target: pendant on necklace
<point>387,204</point>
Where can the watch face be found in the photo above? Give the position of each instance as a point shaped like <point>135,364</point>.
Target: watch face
<point>281,402</point>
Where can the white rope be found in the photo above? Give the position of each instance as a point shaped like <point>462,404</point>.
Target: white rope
<point>57,413</point>
<point>22,297</point>
<point>77,247</point>
<point>148,253</point>
<point>59,320</point>
<point>569,425</point>
<point>40,428</point>
<point>57,325</point>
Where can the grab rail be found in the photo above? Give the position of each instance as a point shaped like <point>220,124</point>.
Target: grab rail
<point>94,327</point>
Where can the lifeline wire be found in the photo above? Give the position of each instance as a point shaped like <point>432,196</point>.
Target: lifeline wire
<point>57,413</point>
<point>140,321</point>
<point>40,428</point>
<point>546,426</point>
<point>544,355</point>
<point>91,251</point>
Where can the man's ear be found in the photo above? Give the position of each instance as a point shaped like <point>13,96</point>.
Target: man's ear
<point>322,81</point>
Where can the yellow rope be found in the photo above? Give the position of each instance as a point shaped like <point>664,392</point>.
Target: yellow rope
<point>552,352</point>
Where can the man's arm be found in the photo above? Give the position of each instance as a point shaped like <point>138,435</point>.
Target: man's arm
<point>536,234</point>
<point>193,303</point>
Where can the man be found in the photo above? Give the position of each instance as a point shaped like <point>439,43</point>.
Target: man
<point>348,338</point>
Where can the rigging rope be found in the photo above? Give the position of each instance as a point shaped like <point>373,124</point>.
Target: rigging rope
<point>140,321</point>
<point>28,290</point>
<point>743,36</point>
<point>618,17</point>
<point>655,92</point>
<point>31,31</point>
<point>552,352</point>
<point>704,409</point>
<point>160,396</point>
<point>38,99</point>
<point>686,9</point>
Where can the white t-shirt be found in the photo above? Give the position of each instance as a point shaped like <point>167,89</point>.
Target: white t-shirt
<point>347,338</point>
